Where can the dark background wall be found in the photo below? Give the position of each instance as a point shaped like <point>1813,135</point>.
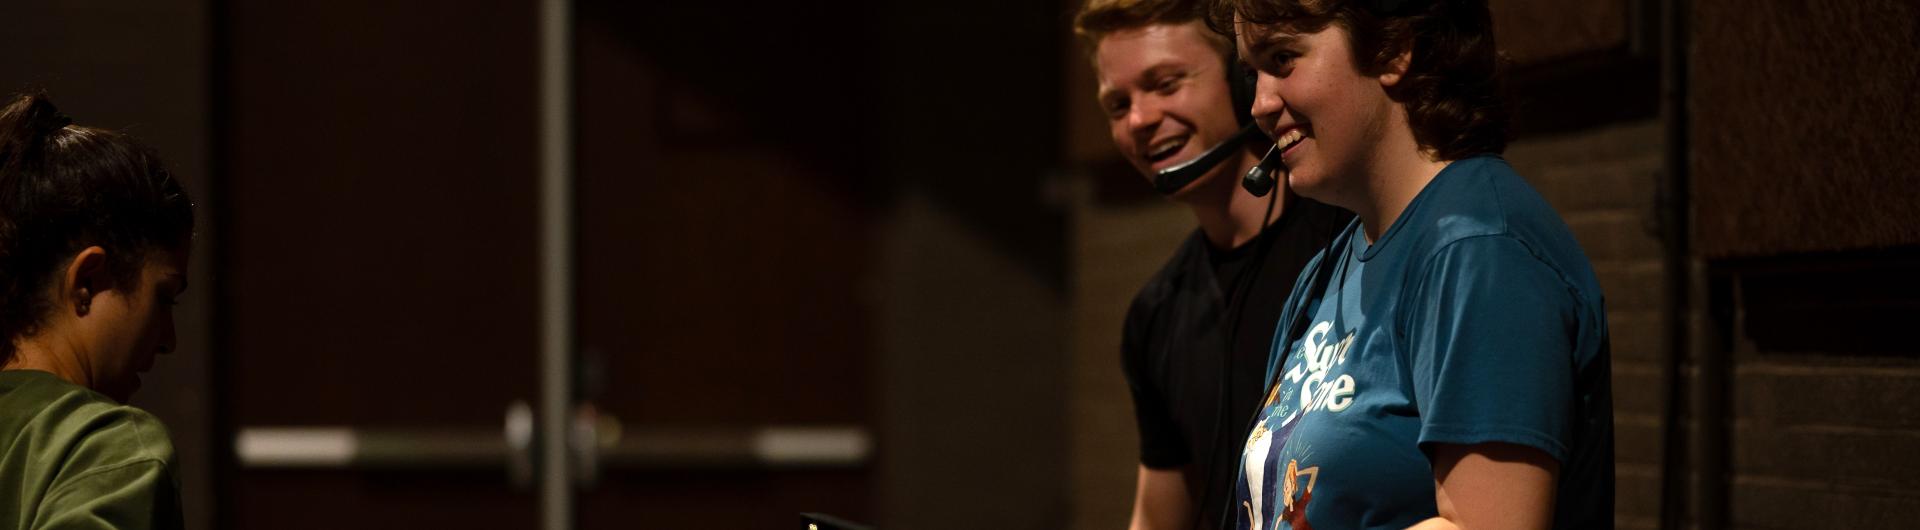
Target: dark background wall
<point>965,132</point>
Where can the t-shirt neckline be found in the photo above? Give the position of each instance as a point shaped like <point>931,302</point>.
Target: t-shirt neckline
<point>1368,251</point>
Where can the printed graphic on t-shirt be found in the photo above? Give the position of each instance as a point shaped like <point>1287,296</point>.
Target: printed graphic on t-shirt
<point>1293,508</point>
<point>1314,382</point>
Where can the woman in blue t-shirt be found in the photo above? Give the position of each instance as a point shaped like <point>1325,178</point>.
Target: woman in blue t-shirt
<point>1444,362</point>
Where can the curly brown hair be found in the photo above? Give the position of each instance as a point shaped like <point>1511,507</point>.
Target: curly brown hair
<point>1454,83</point>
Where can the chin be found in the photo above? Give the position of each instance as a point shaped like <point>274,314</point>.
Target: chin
<point>1308,183</point>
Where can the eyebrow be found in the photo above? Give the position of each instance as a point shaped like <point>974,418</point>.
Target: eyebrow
<point>1271,39</point>
<point>1162,70</point>
<point>1152,72</point>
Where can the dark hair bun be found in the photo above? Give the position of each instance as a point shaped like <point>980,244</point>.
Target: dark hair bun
<point>25,125</point>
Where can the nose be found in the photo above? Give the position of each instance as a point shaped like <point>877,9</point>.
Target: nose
<point>1144,116</point>
<point>1267,103</point>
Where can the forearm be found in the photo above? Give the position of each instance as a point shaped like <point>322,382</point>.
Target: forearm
<point>1492,486</point>
<point>1160,501</point>
<point>1436,523</point>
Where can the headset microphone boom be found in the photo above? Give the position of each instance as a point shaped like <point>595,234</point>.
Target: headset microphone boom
<point>1258,181</point>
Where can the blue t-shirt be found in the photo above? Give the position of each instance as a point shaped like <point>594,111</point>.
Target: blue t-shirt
<point>1475,318</point>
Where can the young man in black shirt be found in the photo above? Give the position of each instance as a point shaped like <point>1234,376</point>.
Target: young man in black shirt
<point>1198,334</point>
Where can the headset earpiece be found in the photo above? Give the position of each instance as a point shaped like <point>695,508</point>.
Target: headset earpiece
<point>1240,84</point>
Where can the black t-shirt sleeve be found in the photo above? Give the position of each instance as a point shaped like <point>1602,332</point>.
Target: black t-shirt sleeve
<point>1161,444</point>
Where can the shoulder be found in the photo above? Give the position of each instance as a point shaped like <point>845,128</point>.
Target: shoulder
<point>1474,197</point>
<point>86,429</point>
<point>1164,285</point>
<point>121,434</point>
<point>1481,205</point>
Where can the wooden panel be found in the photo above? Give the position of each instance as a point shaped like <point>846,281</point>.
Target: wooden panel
<point>1538,31</point>
<point>1803,125</point>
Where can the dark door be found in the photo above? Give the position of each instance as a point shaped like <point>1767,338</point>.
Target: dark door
<point>378,272</point>
<point>724,243</point>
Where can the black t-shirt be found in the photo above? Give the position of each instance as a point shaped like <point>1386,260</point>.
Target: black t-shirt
<point>1174,348</point>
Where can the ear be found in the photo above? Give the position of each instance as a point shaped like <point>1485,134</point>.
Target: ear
<point>86,276</point>
<point>1397,68</point>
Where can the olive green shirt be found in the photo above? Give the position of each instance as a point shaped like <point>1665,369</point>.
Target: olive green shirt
<point>71,458</point>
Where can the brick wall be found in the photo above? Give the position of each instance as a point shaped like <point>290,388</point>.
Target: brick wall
<point>1821,421</point>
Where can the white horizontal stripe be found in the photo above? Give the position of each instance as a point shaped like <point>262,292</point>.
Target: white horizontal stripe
<point>815,445</point>
<point>296,446</point>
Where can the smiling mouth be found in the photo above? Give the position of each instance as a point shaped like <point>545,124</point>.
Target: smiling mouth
<point>1289,139</point>
<point>1165,149</point>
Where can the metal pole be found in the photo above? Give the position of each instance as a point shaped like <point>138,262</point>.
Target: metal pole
<point>556,262</point>
<point>1676,307</point>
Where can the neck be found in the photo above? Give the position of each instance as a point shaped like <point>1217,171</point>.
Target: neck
<point>45,353</point>
<point>1392,178</point>
<point>1229,216</point>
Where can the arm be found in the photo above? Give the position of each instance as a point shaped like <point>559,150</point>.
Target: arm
<point>137,495</point>
<point>1492,355</point>
<point>1492,486</point>
<point>1160,500</point>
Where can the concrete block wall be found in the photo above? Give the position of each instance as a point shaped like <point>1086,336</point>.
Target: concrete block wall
<point>1822,439</point>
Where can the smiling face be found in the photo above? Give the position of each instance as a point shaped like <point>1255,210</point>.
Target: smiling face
<point>1164,89</point>
<point>126,326</point>
<point>1328,117</point>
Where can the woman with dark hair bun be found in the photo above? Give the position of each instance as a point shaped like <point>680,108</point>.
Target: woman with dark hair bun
<point>94,242</point>
<point>1444,362</point>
